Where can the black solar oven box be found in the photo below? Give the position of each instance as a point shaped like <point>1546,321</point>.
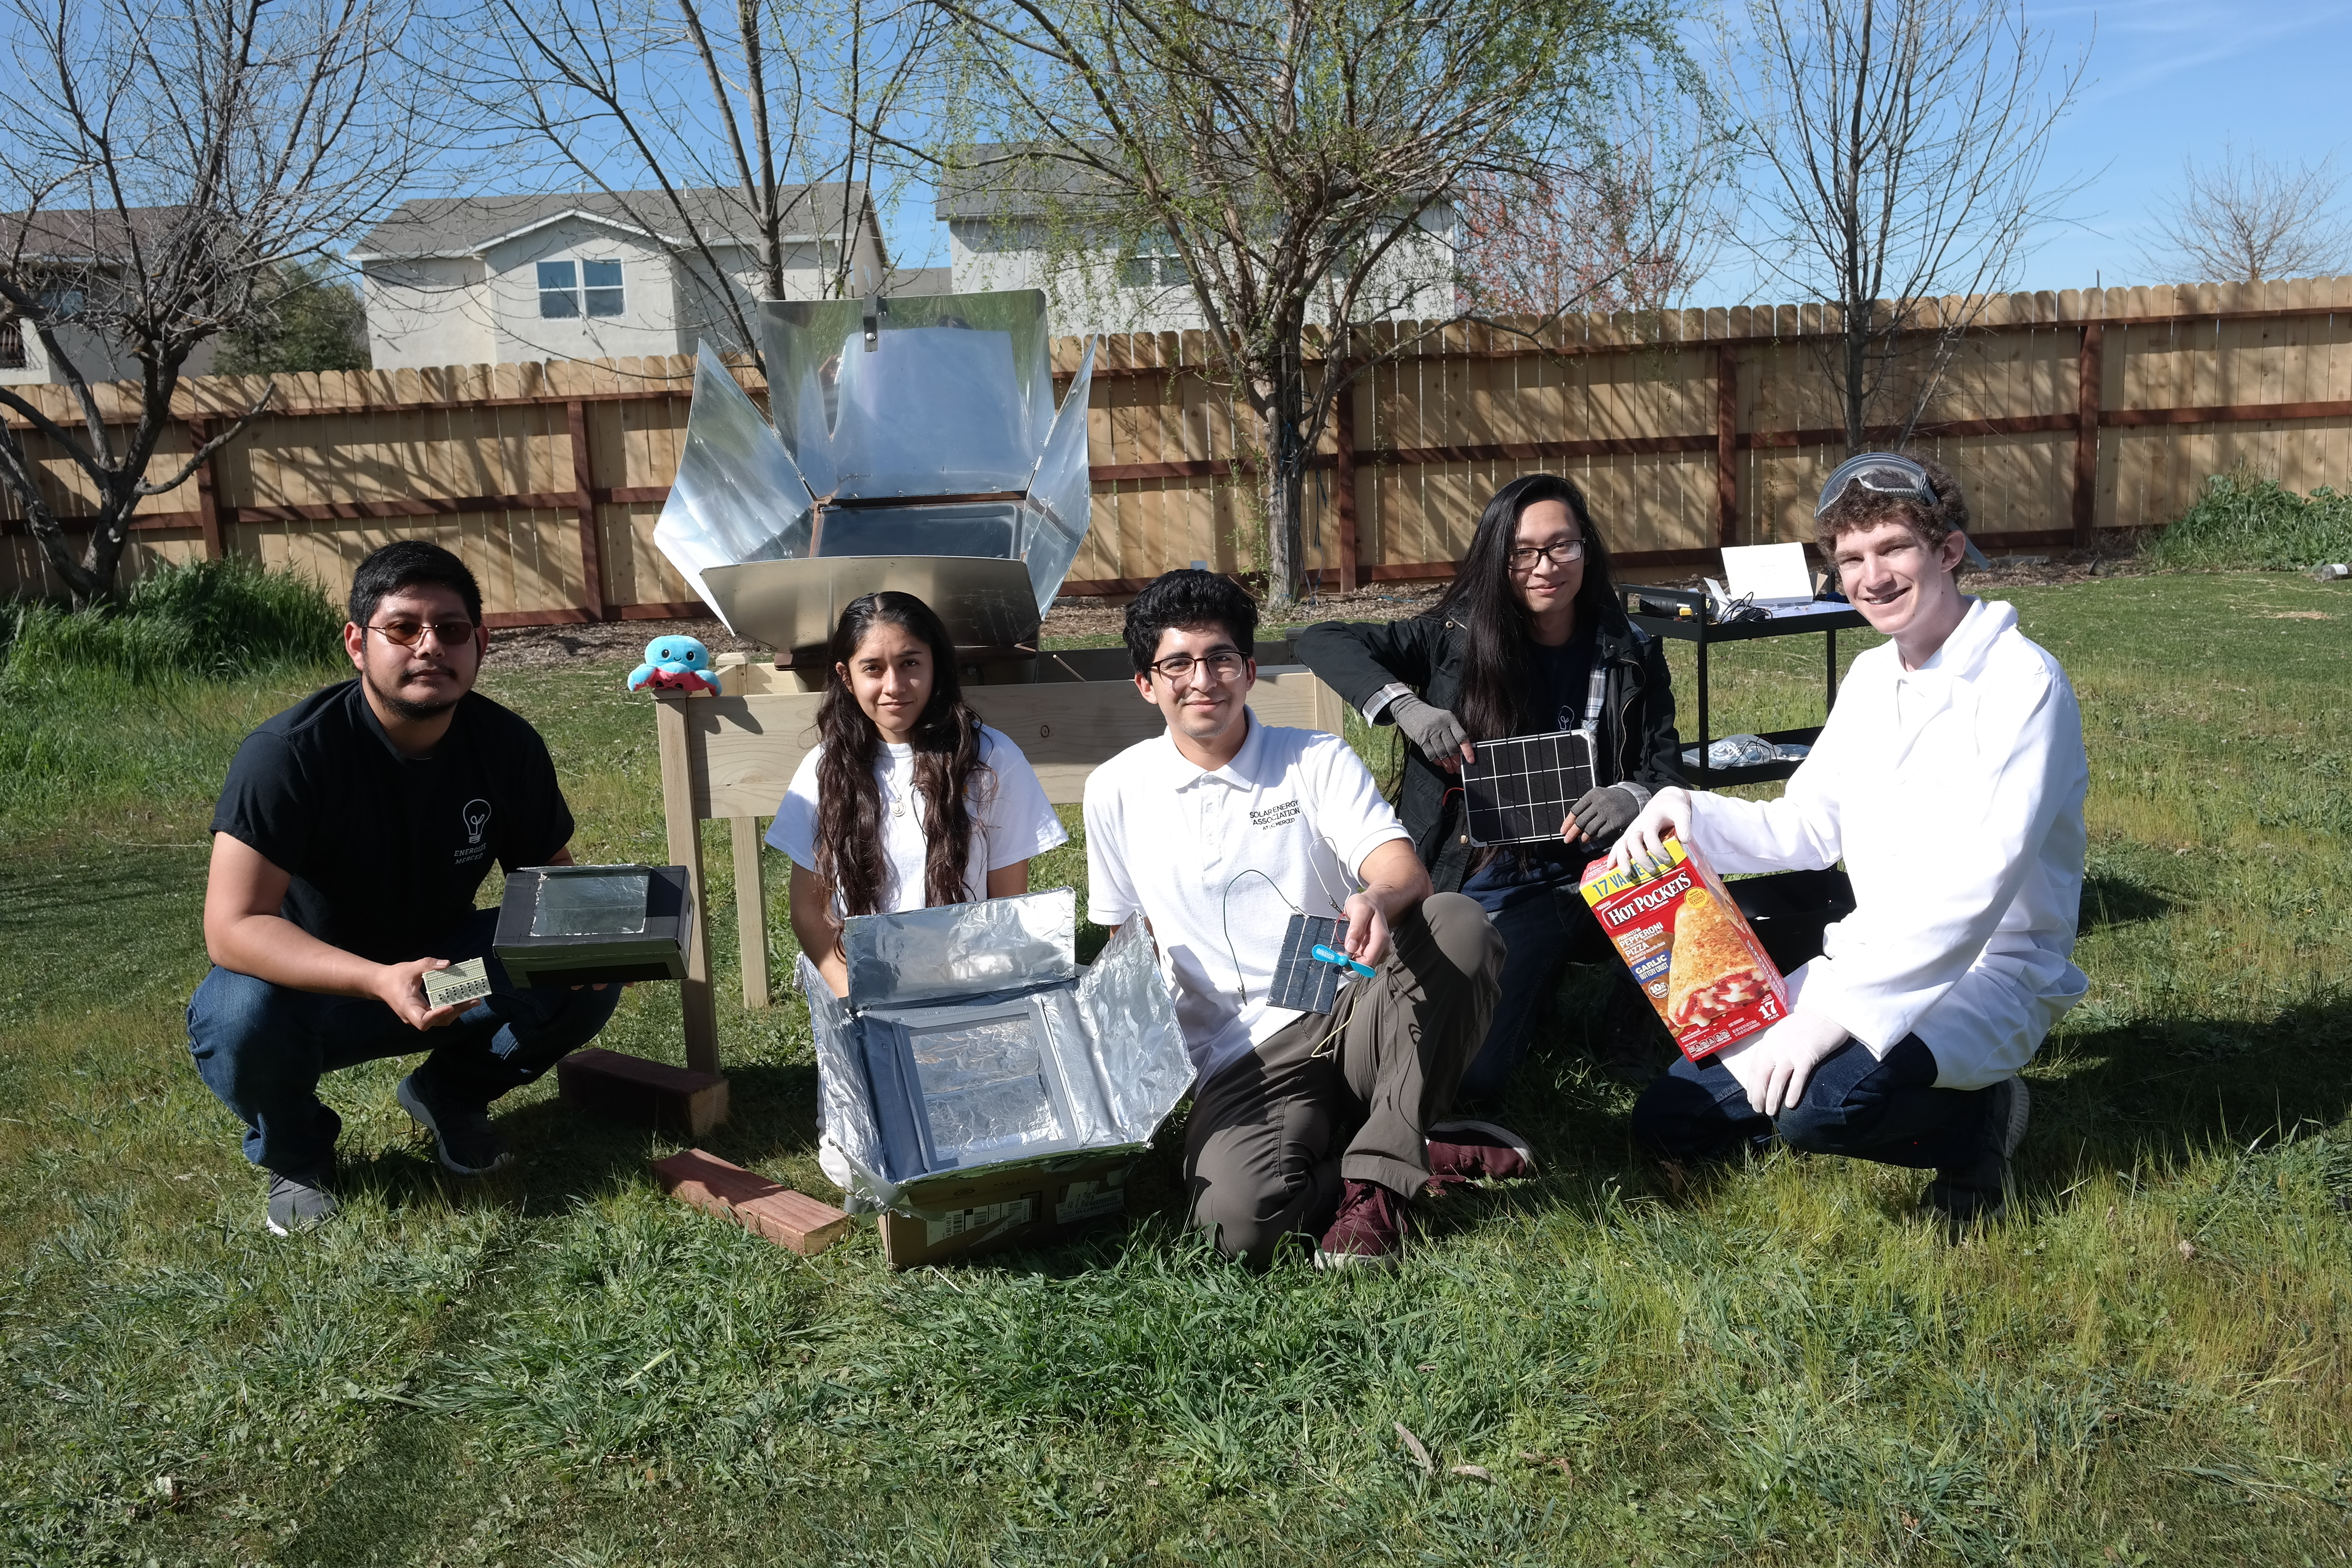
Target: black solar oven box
<point>586,925</point>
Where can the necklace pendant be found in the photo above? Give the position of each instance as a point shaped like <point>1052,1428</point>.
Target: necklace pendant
<point>898,808</point>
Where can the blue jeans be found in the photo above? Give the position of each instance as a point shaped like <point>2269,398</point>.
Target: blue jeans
<point>262,1048</point>
<point>1890,1112</point>
<point>1541,933</point>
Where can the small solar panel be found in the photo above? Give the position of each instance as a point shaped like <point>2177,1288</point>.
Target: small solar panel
<point>1518,791</point>
<point>1300,979</point>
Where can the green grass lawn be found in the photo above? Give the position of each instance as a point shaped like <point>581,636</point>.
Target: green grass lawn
<point>559,1365</point>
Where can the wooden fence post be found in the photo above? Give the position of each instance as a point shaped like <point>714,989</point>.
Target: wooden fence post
<point>1343,482</point>
<point>1727,445</point>
<point>583,506</point>
<point>207,491</point>
<point>2089,379</point>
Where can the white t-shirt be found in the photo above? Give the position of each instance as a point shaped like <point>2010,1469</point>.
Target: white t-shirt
<point>1195,852</point>
<point>1011,818</point>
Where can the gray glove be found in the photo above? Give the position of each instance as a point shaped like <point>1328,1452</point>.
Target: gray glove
<point>1605,813</point>
<point>1437,732</point>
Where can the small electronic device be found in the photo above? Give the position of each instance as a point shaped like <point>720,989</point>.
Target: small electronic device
<point>1302,980</point>
<point>1334,956</point>
<point>466,981</point>
<point>1517,791</point>
<point>579,925</point>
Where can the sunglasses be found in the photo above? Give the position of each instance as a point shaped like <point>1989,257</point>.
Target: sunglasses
<point>404,632</point>
<point>1882,474</point>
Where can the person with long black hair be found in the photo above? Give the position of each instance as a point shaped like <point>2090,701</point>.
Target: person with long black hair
<point>1529,638</point>
<point>908,800</point>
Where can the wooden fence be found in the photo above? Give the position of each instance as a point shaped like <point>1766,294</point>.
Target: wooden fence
<point>2064,415</point>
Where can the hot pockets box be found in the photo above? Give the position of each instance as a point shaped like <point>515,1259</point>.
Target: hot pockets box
<point>1692,952</point>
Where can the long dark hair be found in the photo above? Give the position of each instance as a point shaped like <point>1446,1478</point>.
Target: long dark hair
<point>947,753</point>
<point>1493,702</point>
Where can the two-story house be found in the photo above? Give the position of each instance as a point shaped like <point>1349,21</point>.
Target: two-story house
<point>80,265</point>
<point>1011,226</point>
<point>484,279</point>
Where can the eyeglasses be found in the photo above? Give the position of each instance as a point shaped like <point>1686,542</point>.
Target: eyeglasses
<point>407,632</point>
<point>1225,664</point>
<point>1882,474</point>
<point>1560,552</point>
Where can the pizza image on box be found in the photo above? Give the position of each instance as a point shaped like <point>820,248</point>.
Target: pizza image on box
<point>1689,948</point>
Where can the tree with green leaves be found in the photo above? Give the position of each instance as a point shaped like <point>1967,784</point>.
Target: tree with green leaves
<point>1297,160</point>
<point>310,318</point>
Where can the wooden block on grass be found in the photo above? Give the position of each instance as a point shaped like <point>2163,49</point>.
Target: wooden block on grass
<point>652,1094</point>
<point>759,1206</point>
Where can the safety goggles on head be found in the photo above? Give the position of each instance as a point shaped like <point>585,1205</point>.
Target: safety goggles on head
<point>1888,474</point>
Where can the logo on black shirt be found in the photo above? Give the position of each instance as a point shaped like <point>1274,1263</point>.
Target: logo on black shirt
<point>477,820</point>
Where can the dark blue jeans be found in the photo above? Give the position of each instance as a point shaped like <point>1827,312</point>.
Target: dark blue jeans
<point>1890,1112</point>
<point>1540,935</point>
<point>263,1047</point>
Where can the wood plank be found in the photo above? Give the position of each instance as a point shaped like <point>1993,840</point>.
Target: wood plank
<point>583,510</point>
<point>683,761</point>
<point>668,1098</point>
<point>751,908</point>
<point>2089,378</point>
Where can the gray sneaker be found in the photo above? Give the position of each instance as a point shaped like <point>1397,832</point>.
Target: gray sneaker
<point>298,1203</point>
<point>1979,1193</point>
<point>462,1134</point>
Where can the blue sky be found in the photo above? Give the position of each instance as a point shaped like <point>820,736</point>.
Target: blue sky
<point>2167,79</point>
<point>2170,78</point>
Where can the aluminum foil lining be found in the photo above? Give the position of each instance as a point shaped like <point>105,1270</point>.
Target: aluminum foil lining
<point>1131,1023</point>
<point>957,951</point>
<point>1105,1048</point>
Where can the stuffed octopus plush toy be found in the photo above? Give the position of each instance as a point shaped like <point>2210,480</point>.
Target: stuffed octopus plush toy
<point>675,664</point>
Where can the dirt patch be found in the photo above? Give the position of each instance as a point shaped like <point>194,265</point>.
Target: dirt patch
<point>2296,616</point>
<point>534,645</point>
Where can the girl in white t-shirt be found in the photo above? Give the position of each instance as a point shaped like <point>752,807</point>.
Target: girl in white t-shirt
<point>909,800</point>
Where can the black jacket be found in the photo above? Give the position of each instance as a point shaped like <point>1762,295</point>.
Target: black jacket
<point>1637,741</point>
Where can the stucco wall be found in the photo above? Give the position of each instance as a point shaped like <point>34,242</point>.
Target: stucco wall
<point>427,313</point>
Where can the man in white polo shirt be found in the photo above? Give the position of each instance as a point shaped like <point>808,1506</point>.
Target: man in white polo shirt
<point>1219,831</point>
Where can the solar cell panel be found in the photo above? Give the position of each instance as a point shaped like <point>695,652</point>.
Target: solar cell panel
<point>1517,791</point>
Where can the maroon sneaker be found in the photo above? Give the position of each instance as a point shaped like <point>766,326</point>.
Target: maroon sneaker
<point>1461,1150</point>
<point>1368,1229</point>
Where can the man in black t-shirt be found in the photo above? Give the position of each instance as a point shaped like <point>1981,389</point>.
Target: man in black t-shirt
<point>350,839</point>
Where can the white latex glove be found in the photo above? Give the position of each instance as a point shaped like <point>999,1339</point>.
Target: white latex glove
<point>1775,1066</point>
<point>1668,813</point>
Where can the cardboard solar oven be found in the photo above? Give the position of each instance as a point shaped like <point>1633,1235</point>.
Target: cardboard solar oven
<point>915,444</point>
<point>579,925</point>
<point>983,1088</point>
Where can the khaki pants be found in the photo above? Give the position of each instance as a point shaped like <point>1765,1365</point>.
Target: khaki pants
<point>1273,1136</point>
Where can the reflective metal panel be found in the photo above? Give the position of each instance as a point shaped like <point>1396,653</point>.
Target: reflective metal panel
<point>954,396</point>
<point>792,605</point>
<point>738,495</point>
<point>960,950</point>
<point>1061,493</point>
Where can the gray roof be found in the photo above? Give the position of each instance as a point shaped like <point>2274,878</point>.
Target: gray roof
<point>465,225</point>
<point>1002,180</point>
<point>86,234</point>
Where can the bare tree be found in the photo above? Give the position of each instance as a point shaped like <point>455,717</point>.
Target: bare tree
<point>732,120</point>
<point>1902,145</point>
<point>168,162</point>
<point>2248,220</point>
<point>1294,161</point>
<point>1631,232</point>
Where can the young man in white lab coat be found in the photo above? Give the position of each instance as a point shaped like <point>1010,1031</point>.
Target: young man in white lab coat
<point>1950,780</point>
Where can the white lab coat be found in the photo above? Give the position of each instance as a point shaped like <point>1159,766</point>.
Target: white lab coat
<point>1954,794</point>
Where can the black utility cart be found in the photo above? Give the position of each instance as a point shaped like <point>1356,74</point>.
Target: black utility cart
<point>1788,908</point>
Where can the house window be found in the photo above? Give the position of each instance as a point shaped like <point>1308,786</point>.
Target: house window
<point>12,346</point>
<point>559,283</point>
<point>604,280</point>
<point>1154,263</point>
